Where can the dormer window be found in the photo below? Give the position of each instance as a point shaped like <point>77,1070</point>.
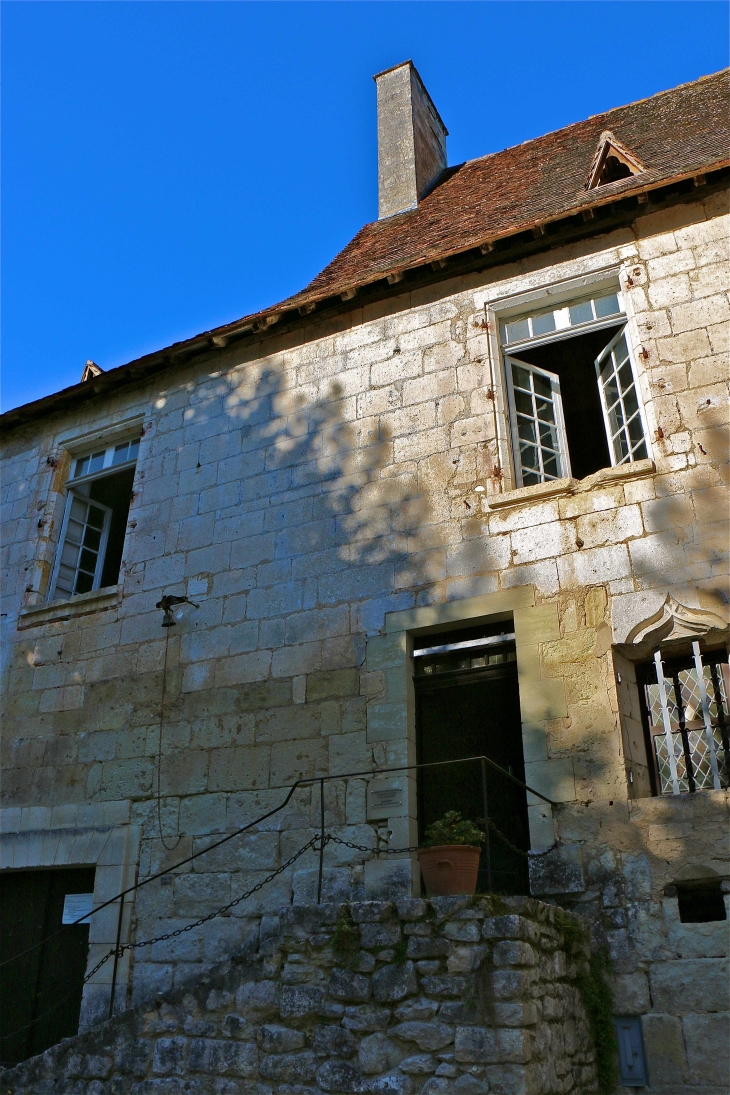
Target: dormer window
<point>612,162</point>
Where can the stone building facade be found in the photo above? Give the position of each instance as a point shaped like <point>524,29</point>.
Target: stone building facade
<point>334,480</point>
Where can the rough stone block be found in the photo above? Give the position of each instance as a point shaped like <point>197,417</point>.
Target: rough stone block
<point>690,985</point>
<point>392,983</point>
<point>428,1035</point>
<point>378,1053</point>
<point>707,1038</point>
<point>476,1045</point>
<point>349,987</point>
<point>289,1067</point>
<point>665,1051</point>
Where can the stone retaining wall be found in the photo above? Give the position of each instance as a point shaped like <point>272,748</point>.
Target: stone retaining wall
<point>452,996</point>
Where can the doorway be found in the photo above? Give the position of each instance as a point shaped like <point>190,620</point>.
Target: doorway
<point>40,993</point>
<point>468,705</point>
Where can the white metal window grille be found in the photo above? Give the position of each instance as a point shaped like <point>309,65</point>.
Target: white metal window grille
<point>537,423</point>
<point>84,535</point>
<point>619,400</point>
<point>689,725</point>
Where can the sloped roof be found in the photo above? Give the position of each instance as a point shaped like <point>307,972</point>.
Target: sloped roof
<point>676,134</point>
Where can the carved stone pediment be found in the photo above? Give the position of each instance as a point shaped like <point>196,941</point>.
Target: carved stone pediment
<point>672,623</point>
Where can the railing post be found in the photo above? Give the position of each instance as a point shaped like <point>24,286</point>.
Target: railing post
<point>321,840</point>
<point>668,736</point>
<point>706,716</point>
<point>485,804</point>
<point>116,956</point>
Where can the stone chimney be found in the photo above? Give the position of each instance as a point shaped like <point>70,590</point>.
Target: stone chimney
<point>411,140</point>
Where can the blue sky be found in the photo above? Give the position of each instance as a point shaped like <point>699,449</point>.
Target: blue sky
<point>168,167</point>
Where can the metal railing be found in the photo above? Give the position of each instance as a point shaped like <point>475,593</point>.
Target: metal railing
<point>317,843</point>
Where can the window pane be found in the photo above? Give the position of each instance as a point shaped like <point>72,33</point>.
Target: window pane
<point>82,466</point>
<point>548,436</point>
<point>606,306</point>
<point>526,430</point>
<point>97,461</point>
<point>74,532</point>
<point>88,561</point>
<point>542,325</point>
<point>84,582</point>
<point>581,313</point>
<point>517,331</point>
<point>610,386</point>
<point>621,350</point>
<point>530,478</point>
<point>631,403</point>
<point>621,448</point>
<point>92,538</point>
<point>551,467</point>
<point>523,402</point>
<point>542,385</point>
<point>126,451</point>
<point>544,410</point>
<point>521,378</point>
<point>635,430</point>
<point>96,517</point>
<point>78,509</point>
<point>528,457</point>
<point>70,554</point>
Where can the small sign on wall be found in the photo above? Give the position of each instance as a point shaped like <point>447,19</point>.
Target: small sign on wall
<point>386,798</point>
<point>76,905</point>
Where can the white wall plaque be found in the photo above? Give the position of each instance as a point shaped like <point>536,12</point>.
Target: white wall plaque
<point>386,798</point>
<point>76,905</point>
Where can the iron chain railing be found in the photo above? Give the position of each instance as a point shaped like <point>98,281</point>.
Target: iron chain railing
<point>317,843</point>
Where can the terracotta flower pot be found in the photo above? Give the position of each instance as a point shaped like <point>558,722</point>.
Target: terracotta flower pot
<point>450,869</point>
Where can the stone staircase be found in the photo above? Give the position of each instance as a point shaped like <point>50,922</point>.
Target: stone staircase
<point>448,996</point>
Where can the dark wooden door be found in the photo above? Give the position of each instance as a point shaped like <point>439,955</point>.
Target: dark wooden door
<point>49,979</point>
<point>466,712</point>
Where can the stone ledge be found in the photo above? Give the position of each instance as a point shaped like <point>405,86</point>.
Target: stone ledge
<point>560,487</point>
<point>81,605</point>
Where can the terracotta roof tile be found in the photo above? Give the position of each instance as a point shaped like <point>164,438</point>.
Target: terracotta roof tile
<point>675,134</point>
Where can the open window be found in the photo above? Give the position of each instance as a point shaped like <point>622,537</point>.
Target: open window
<point>574,401</point>
<point>91,543</point>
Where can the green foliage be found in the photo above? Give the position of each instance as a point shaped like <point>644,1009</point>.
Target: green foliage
<point>452,828</point>
<point>572,931</point>
<point>345,938</point>
<point>595,991</point>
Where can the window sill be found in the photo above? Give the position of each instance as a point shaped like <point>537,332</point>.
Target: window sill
<point>560,487</point>
<point>81,605</point>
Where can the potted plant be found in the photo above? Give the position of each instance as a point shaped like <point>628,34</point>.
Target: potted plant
<point>449,858</point>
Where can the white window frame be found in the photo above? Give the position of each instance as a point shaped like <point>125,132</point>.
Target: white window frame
<point>533,304</point>
<point>554,381</point>
<point>108,467</point>
<point>101,554</point>
<point>602,395</point>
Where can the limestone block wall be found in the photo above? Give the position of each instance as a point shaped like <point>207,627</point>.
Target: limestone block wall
<point>315,494</point>
<point>453,996</point>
